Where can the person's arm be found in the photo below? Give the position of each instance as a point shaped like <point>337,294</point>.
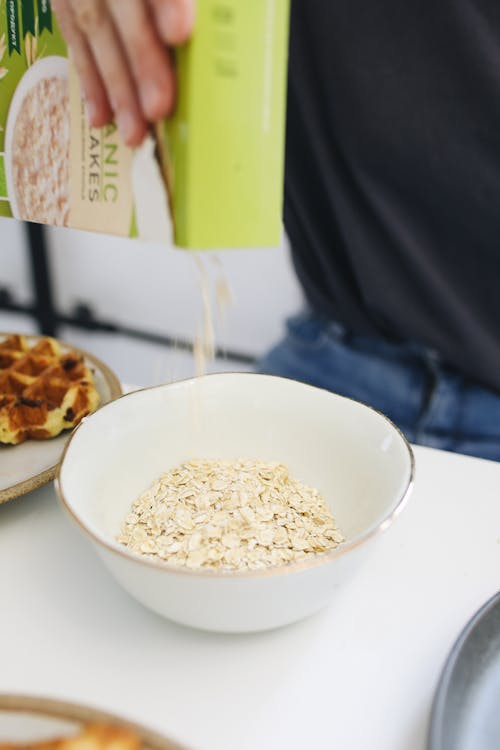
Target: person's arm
<point>119,48</point>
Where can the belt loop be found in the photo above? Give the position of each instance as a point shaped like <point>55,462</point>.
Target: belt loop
<point>433,361</point>
<point>337,330</point>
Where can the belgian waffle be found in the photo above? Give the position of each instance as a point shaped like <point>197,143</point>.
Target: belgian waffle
<point>43,389</point>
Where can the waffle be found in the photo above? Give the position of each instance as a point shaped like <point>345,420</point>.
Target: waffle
<point>43,390</point>
<point>93,737</point>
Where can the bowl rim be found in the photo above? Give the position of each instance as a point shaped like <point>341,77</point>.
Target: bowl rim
<point>288,568</point>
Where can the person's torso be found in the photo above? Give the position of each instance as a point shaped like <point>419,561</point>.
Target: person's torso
<point>393,171</point>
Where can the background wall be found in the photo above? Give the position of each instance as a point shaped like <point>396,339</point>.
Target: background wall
<point>152,289</point>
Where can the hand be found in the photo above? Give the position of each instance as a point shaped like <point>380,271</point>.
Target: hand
<point>119,48</point>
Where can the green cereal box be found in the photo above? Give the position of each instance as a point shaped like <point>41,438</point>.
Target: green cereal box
<point>210,176</point>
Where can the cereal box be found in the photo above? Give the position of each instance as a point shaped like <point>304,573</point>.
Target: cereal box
<point>210,176</point>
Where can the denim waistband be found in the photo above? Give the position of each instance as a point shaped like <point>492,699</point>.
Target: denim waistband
<point>391,349</point>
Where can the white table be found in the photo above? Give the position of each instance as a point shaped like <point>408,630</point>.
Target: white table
<point>358,676</point>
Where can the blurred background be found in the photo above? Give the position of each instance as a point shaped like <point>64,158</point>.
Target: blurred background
<point>138,306</point>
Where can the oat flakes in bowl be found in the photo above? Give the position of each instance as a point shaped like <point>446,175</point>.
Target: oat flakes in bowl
<point>356,459</point>
<point>229,515</point>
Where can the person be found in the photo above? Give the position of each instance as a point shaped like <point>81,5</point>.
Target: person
<point>392,192</point>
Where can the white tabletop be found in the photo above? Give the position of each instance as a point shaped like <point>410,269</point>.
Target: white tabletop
<point>359,675</point>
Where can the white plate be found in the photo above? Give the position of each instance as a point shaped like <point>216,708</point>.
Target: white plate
<point>25,719</point>
<point>48,67</point>
<point>30,465</point>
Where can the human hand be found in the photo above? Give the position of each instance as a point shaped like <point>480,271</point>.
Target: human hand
<point>120,50</point>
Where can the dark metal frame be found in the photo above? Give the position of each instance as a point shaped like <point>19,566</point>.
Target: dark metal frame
<point>49,319</point>
<point>43,307</point>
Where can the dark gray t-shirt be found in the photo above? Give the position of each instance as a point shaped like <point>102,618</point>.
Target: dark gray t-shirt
<point>393,171</point>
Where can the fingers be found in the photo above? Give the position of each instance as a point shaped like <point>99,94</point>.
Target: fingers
<point>174,19</point>
<point>149,62</point>
<point>93,88</point>
<point>95,22</point>
<point>119,48</point>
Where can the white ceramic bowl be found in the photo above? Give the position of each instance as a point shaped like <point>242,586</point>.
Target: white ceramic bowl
<point>357,459</point>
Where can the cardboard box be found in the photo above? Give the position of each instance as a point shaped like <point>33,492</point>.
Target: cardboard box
<point>221,153</point>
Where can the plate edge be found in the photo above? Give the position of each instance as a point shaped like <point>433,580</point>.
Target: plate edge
<point>57,709</point>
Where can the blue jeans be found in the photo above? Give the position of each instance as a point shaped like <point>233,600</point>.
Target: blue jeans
<point>432,404</point>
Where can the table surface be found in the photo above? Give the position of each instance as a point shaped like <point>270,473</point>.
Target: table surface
<point>359,675</point>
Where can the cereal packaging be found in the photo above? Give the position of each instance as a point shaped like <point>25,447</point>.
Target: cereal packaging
<point>210,176</point>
